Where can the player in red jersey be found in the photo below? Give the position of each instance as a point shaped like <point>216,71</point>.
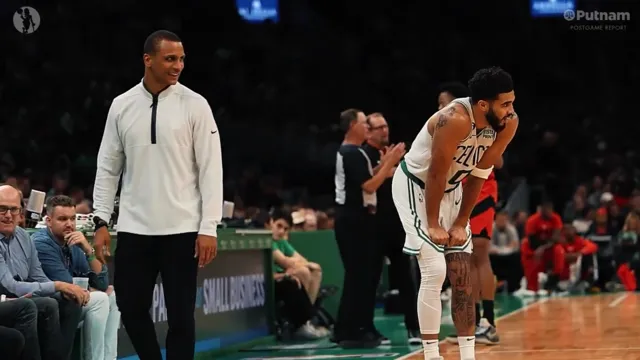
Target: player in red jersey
<point>538,251</point>
<point>576,248</point>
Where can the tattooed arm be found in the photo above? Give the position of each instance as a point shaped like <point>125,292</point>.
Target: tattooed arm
<point>448,128</point>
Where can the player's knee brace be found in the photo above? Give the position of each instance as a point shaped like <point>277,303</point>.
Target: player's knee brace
<point>433,272</point>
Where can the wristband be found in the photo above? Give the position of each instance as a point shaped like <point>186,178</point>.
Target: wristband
<point>91,257</point>
<point>482,173</point>
<point>99,223</point>
<point>90,252</point>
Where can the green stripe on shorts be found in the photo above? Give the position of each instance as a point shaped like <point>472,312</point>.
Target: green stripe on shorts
<point>417,223</point>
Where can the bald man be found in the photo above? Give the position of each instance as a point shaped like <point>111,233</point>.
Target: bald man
<point>59,304</point>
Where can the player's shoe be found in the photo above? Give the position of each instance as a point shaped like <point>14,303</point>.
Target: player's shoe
<point>414,337</point>
<point>487,334</point>
<point>383,339</point>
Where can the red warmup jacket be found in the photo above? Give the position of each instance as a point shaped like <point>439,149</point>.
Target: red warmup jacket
<point>537,224</point>
<point>581,245</point>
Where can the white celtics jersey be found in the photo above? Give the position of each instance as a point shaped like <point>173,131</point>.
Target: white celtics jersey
<point>467,156</point>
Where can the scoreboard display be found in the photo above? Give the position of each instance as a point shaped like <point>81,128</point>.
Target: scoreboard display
<point>551,8</point>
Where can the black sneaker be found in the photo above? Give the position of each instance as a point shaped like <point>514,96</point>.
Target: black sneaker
<point>364,341</point>
<point>414,337</point>
<point>383,339</point>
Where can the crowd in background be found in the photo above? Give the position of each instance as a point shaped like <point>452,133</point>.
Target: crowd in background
<point>277,90</point>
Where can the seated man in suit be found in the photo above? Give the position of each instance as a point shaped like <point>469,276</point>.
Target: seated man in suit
<point>65,253</point>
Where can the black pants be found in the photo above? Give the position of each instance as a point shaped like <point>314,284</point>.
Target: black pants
<point>401,275</point>
<point>508,268</point>
<point>297,305</point>
<point>138,261</point>
<point>362,260</point>
<point>18,326</point>
<point>38,328</point>
<point>11,343</point>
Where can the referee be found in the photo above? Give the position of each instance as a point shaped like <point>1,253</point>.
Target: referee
<point>356,183</point>
<point>162,138</point>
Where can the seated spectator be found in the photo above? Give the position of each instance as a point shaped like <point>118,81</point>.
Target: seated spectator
<point>616,217</point>
<point>323,220</point>
<point>11,181</point>
<point>577,250</point>
<point>602,234</point>
<point>520,221</point>
<point>84,207</point>
<point>537,249</point>
<point>59,303</point>
<point>288,260</point>
<point>77,194</point>
<point>596,192</point>
<point>310,221</point>
<point>65,253</point>
<point>326,219</point>
<point>505,245</point>
<point>601,231</point>
<point>298,218</point>
<point>19,330</point>
<point>59,186</point>
<point>576,209</point>
<point>627,252</point>
<point>297,306</point>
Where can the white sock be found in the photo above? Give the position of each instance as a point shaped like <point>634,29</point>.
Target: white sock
<point>467,347</point>
<point>431,349</point>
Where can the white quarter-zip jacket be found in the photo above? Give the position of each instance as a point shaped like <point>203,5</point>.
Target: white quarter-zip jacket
<point>167,149</point>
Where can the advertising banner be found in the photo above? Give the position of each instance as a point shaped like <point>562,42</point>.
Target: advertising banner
<point>231,304</point>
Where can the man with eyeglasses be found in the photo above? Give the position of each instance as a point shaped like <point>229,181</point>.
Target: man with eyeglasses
<point>357,179</point>
<point>390,234</point>
<point>59,303</point>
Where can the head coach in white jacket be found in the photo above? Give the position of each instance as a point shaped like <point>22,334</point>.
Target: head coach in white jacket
<point>162,138</point>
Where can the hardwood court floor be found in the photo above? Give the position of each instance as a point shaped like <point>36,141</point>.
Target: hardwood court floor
<point>567,328</point>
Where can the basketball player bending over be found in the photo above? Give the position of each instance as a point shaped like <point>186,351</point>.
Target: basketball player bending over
<point>457,141</point>
<point>481,223</point>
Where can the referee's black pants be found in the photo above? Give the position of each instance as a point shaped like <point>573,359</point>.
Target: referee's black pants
<point>138,261</point>
<point>362,260</point>
<point>402,276</point>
